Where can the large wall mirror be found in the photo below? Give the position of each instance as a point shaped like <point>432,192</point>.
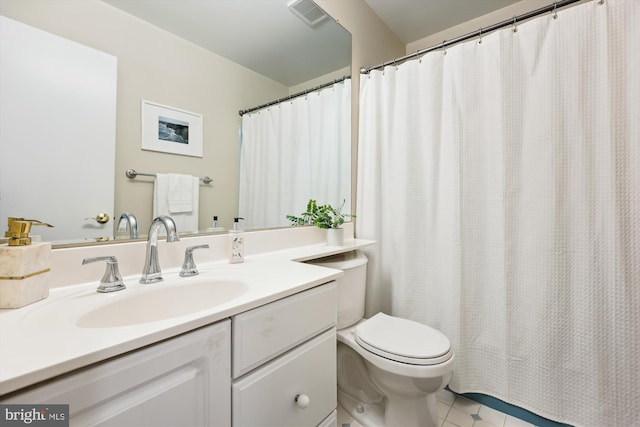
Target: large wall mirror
<point>212,58</point>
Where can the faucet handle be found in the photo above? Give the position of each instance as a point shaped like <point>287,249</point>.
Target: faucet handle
<point>112,280</point>
<point>188,266</point>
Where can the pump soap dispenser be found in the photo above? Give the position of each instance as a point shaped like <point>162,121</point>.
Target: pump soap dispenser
<point>24,267</point>
<point>237,243</point>
<point>215,226</point>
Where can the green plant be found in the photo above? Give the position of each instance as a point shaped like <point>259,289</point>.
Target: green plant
<point>323,216</point>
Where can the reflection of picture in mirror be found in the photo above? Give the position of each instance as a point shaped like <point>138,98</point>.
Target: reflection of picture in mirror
<point>173,130</point>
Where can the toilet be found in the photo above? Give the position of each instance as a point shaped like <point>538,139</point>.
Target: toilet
<point>389,368</point>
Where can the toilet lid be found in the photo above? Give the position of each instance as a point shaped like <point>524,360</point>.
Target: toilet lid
<point>403,340</point>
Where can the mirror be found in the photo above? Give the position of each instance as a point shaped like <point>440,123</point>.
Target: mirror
<point>179,71</point>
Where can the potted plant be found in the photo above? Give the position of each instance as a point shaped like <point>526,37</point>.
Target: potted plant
<point>325,217</point>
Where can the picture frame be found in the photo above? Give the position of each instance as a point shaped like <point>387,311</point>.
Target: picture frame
<point>171,130</point>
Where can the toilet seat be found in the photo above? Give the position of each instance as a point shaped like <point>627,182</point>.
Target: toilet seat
<point>403,340</point>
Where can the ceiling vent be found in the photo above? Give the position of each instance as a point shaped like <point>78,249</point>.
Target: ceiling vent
<point>307,10</point>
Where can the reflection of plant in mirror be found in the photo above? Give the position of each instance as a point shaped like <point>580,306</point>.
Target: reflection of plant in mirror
<point>324,216</point>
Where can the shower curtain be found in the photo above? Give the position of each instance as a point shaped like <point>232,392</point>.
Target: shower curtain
<point>295,151</point>
<point>501,178</point>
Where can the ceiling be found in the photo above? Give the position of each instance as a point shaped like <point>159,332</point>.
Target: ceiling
<point>262,35</point>
<point>245,31</point>
<point>412,20</point>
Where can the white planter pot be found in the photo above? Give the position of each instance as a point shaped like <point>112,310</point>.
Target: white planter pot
<point>335,236</point>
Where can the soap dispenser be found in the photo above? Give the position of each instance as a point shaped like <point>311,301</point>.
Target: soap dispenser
<point>237,243</point>
<point>24,267</point>
<point>215,226</point>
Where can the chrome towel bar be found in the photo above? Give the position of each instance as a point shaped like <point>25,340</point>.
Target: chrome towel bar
<point>131,173</point>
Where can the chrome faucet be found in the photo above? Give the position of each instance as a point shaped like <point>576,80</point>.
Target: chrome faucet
<point>128,219</point>
<point>151,272</point>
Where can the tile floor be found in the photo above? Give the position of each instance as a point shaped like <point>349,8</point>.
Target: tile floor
<point>456,411</point>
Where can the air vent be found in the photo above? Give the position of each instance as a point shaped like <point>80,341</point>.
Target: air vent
<point>307,10</point>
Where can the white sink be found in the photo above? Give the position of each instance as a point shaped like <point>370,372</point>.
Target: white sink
<point>157,302</point>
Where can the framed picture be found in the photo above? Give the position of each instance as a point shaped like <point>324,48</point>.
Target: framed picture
<point>171,130</point>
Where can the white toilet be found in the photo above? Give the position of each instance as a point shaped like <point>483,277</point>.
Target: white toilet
<point>389,368</point>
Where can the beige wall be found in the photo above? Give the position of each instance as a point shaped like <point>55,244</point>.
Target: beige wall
<point>157,66</point>
<point>372,42</point>
<point>338,74</point>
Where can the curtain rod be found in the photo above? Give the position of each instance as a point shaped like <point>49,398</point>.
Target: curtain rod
<point>296,95</point>
<point>478,33</point>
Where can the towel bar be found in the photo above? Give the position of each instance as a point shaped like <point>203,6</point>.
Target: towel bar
<point>131,173</point>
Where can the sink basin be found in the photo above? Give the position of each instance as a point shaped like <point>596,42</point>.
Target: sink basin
<point>160,302</point>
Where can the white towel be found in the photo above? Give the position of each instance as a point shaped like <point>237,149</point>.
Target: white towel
<point>186,221</point>
<point>180,194</point>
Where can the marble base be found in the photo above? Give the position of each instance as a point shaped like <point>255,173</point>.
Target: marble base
<point>18,293</point>
<point>24,274</point>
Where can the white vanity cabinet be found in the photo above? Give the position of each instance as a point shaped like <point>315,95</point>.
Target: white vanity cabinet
<point>284,373</point>
<point>183,381</point>
<point>284,362</point>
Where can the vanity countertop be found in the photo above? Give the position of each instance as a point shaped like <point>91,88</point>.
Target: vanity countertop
<point>42,340</point>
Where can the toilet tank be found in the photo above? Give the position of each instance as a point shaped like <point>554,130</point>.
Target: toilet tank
<point>351,286</point>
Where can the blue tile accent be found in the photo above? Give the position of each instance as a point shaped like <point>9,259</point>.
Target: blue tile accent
<point>514,411</point>
<point>476,417</point>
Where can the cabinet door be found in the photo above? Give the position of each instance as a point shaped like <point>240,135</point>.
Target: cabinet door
<point>184,381</point>
<point>266,397</point>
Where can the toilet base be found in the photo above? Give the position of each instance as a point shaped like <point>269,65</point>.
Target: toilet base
<point>406,411</point>
<point>370,415</point>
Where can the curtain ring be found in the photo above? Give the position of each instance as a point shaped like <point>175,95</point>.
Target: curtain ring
<point>515,27</point>
<point>555,9</point>
<point>480,36</point>
<point>444,50</point>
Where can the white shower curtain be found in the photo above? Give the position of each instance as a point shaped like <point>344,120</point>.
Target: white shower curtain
<point>295,151</point>
<point>502,181</point>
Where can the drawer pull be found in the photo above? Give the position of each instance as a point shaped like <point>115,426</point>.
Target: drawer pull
<point>302,400</point>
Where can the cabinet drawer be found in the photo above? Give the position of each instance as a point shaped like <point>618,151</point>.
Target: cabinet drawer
<point>266,397</point>
<point>270,330</point>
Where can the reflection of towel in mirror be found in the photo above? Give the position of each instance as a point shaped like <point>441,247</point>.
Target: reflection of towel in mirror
<point>180,194</point>
<point>177,196</point>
